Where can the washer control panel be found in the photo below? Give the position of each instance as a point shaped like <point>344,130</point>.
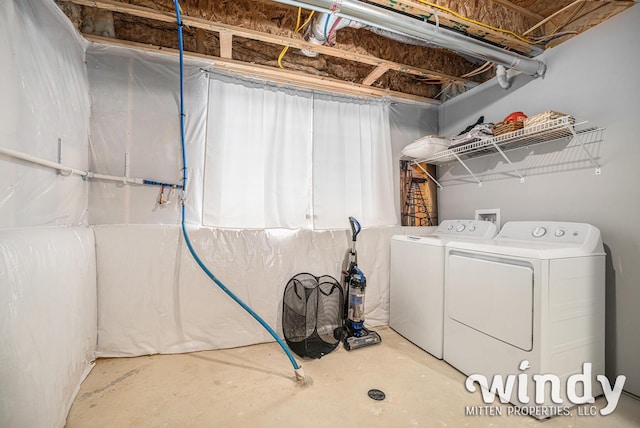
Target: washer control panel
<point>547,231</point>
<point>539,232</point>
<point>469,228</point>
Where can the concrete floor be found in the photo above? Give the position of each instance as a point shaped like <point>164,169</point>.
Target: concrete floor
<point>254,387</point>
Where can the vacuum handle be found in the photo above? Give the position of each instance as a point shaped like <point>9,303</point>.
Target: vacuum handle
<point>355,228</point>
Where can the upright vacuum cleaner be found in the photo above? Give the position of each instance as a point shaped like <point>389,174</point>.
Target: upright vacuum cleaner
<point>355,334</point>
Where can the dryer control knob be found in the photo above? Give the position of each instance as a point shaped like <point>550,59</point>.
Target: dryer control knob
<point>450,227</point>
<point>539,232</point>
<point>460,227</point>
<point>559,233</point>
<point>472,228</point>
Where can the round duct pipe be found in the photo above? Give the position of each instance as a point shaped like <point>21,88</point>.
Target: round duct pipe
<point>503,79</point>
<point>320,27</point>
<point>381,18</point>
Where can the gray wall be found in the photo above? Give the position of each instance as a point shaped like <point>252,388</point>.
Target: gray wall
<point>594,77</point>
<point>408,122</point>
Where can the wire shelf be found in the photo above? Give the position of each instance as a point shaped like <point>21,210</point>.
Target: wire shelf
<point>564,127</point>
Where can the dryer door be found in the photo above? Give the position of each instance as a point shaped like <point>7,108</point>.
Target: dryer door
<point>493,296</point>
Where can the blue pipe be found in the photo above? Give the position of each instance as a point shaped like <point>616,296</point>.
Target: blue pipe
<point>159,183</point>
<point>192,250</point>
<point>326,24</point>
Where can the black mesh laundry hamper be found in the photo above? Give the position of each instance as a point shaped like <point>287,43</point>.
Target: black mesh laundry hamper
<point>311,312</point>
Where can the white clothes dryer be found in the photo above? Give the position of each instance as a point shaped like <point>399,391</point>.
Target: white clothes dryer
<point>416,308</point>
<point>535,293</point>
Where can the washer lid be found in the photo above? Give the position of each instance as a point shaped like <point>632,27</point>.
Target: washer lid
<point>421,240</point>
<point>530,250</point>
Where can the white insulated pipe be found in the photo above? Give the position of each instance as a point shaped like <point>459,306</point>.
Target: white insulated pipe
<point>503,78</point>
<point>395,22</point>
<point>67,170</point>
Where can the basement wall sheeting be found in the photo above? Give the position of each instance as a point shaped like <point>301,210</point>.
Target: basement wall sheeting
<point>91,268</point>
<point>45,98</point>
<point>158,300</point>
<point>135,113</point>
<point>47,254</point>
<point>152,298</point>
<point>47,323</point>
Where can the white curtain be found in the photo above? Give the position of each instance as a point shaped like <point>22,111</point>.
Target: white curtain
<point>257,157</point>
<point>291,159</point>
<point>352,163</point>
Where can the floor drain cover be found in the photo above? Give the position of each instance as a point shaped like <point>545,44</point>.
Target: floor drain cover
<point>376,394</point>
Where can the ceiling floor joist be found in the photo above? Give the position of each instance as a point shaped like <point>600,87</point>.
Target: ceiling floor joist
<point>204,24</point>
<point>283,77</point>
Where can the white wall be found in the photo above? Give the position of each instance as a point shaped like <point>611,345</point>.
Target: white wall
<point>152,297</point>
<point>45,97</point>
<point>47,322</point>
<point>47,274</point>
<point>594,77</point>
<point>135,111</point>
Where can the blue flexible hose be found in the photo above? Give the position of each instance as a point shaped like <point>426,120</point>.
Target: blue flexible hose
<point>192,250</point>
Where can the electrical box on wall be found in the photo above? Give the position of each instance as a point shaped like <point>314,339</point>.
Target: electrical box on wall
<point>492,215</point>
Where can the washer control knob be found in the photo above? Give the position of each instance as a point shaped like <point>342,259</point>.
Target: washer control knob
<point>460,227</point>
<point>472,228</point>
<point>559,233</point>
<point>539,232</point>
<point>450,227</point>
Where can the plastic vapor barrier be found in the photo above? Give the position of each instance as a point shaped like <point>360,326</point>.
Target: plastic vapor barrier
<point>47,274</point>
<point>47,322</point>
<point>135,120</point>
<point>45,99</point>
<point>128,285</point>
<point>153,298</point>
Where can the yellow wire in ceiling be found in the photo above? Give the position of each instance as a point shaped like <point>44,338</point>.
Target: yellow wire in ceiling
<point>482,24</point>
<point>298,28</point>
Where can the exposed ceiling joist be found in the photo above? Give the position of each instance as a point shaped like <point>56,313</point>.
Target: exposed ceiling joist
<point>375,74</point>
<point>450,20</point>
<point>204,24</point>
<point>226,45</point>
<point>283,77</point>
<point>519,9</point>
<point>550,17</point>
<point>249,37</point>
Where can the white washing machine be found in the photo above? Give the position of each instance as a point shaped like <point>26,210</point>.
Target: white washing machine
<point>417,280</point>
<point>535,293</point>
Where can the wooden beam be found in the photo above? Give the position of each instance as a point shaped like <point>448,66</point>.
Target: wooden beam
<point>276,75</point>
<point>226,43</point>
<point>200,35</point>
<point>588,20</point>
<point>144,12</point>
<point>581,5</point>
<point>550,17</point>
<point>446,19</point>
<point>521,10</point>
<point>590,15</point>
<point>375,74</point>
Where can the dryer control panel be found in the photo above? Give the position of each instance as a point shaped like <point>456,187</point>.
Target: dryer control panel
<point>469,228</point>
<point>550,232</point>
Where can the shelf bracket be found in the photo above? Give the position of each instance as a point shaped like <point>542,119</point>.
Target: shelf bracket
<point>505,157</point>
<point>591,158</point>
<point>429,175</point>
<point>60,171</point>
<point>467,168</point>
